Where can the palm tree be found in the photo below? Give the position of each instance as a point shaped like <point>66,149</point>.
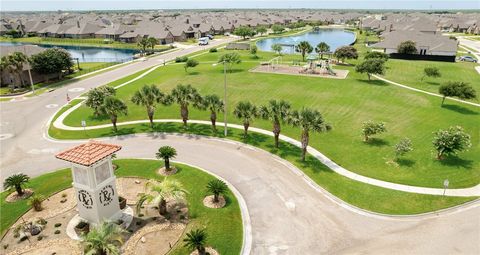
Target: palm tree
<point>216,187</point>
<point>308,120</point>
<point>184,95</point>
<point>149,96</point>
<point>196,239</point>
<point>160,192</point>
<point>18,59</point>
<point>35,201</point>
<point>143,44</point>
<point>104,239</point>
<point>16,181</point>
<point>276,112</point>
<point>304,47</point>
<point>166,153</point>
<point>247,111</point>
<point>113,107</point>
<point>215,105</point>
<point>321,48</point>
<point>152,41</point>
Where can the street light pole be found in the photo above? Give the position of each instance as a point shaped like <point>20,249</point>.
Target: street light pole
<point>225,96</point>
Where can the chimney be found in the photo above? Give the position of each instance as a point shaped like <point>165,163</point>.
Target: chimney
<point>78,24</point>
<point>188,21</point>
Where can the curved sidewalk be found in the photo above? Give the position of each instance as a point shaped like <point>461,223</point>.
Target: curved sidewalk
<point>423,91</point>
<point>465,192</point>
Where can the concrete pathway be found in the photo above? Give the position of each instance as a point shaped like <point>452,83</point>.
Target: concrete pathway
<point>423,91</point>
<point>466,192</point>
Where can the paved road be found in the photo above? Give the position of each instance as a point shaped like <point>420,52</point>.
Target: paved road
<point>472,44</point>
<point>290,217</point>
<point>22,122</point>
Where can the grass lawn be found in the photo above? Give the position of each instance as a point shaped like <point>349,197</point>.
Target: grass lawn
<point>89,42</point>
<point>346,104</point>
<point>225,237</point>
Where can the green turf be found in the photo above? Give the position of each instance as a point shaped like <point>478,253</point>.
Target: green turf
<point>362,195</point>
<point>345,104</point>
<point>225,237</point>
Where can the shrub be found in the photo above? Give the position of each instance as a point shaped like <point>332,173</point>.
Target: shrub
<point>57,232</point>
<point>181,59</point>
<point>371,128</point>
<point>36,202</point>
<point>212,50</point>
<point>57,225</point>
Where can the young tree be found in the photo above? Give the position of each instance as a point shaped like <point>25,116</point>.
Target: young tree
<point>214,104</point>
<point>105,239</point>
<point>144,43</point>
<point>16,181</point>
<point>277,48</point>
<point>402,147</point>
<point>261,30</point>
<point>160,192</point>
<point>277,112</point>
<point>371,66</point>
<point>149,97</point>
<point>450,141</point>
<point>407,47</point>
<point>190,63</point>
<point>152,41</point>
<point>304,47</point>
<point>113,107</point>
<point>230,59</point>
<point>277,29</point>
<point>308,120</point>
<point>184,95</point>
<point>376,55</point>
<point>371,128</point>
<point>245,111</point>
<point>346,52</point>
<point>433,72</point>
<point>96,96</point>
<point>253,51</point>
<point>196,239</point>
<point>457,89</point>
<point>166,153</point>
<point>216,187</point>
<point>244,32</point>
<point>321,48</point>
<point>54,60</point>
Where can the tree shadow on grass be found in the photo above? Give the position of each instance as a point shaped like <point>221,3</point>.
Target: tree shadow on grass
<point>373,82</point>
<point>455,161</point>
<point>405,162</point>
<point>459,109</point>
<point>377,142</point>
<point>193,73</point>
<point>433,83</point>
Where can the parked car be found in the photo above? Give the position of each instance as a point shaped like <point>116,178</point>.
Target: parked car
<point>203,41</point>
<point>210,37</point>
<point>468,59</point>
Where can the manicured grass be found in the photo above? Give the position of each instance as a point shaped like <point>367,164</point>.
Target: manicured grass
<point>90,42</point>
<point>224,226</point>
<point>346,104</point>
<point>362,195</point>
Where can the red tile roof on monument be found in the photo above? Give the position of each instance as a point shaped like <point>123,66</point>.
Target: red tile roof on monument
<point>89,153</point>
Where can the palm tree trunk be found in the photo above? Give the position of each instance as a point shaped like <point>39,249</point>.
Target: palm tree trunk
<point>184,114</point>
<point>20,78</point>
<point>162,207</point>
<point>440,155</point>
<point>167,163</point>
<point>305,138</point>
<point>276,132</point>
<point>19,190</point>
<point>443,99</point>
<point>201,250</point>
<point>213,118</point>
<point>369,77</point>
<point>245,129</point>
<point>150,113</point>
<point>215,198</point>
<point>113,118</point>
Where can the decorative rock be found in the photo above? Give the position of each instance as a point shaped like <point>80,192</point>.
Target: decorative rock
<point>35,230</point>
<point>137,182</point>
<point>143,240</point>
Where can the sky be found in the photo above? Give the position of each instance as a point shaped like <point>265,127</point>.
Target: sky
<point>53,5</point>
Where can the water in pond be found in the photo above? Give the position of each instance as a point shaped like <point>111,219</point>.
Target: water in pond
<point>90,54</point>
<point>333,37</point>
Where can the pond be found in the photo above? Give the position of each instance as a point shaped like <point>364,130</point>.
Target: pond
<point>333,37</point>
<point>90,54</point>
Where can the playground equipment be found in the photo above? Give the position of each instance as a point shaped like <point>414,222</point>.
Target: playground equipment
<point>274,62</point>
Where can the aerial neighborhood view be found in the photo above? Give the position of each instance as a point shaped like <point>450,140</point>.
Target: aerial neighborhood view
<point>239,127</point>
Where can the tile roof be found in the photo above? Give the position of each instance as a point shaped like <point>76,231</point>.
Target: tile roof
<point>89,153</point>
